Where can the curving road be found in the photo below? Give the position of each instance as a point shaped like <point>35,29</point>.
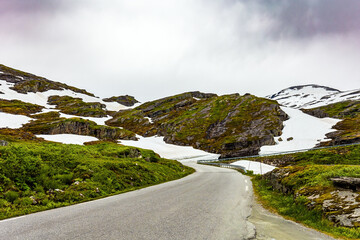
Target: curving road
<point>213,203</point>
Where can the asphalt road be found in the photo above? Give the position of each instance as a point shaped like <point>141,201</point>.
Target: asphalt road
<point>213,203</point>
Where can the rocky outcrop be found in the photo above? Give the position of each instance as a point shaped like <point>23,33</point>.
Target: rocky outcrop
<point>126,100</point>
<point>3,143</point>
<point>347,182</point>
<point>338,204</point>
<point>315,112</point>
<point>76,106</point>
<point>231,125</point>
<point>79,127</point>
<point>19,107</point>
<point>27,82</point>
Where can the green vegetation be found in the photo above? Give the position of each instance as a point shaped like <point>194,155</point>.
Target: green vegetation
<point>19,107</point>
<point>303,190</point>
<point>76,106</point>
<point>295,209</point>
<point>229,124</point>
<point>40,176</point>
<point>349,155</point>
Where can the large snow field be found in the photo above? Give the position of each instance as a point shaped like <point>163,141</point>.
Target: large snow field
<point>256,167</point>
<point>8,120</point>
<point>306,131</point>
<point>68,138</point>
<point>170,151</point>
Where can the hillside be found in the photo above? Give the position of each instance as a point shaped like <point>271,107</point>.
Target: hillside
<point>56,108</point>
<point>348,130</point>
<point>230,125</point>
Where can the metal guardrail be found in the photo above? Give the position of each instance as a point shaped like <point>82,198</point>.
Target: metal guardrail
<point>224,165</point>
<point>272,154</point>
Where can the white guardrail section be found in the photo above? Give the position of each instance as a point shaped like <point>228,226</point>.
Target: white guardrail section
<point>217,162</point>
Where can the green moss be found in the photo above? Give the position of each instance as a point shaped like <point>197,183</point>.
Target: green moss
<point>76,106</point>
<point>19,107</point>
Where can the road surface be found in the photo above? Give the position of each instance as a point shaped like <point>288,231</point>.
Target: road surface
<point>213,203</point>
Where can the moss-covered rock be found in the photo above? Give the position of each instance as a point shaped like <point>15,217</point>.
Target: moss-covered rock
<point>19,107</point>
<point>231,125</point>
<point>77,126</point>
<point>76,106</point>
<point>126,100</point>
<point>315,184</point>
<point>27,82</point>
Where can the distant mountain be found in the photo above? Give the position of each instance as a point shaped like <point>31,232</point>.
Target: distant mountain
<point>311,96</point>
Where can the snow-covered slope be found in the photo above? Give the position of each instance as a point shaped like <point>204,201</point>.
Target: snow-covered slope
<point>301,131</point>
<point>41,98</point>
<point>310,96</point>
<point>170,151</point>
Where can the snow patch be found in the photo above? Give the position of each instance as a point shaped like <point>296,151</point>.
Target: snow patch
<point>150,120</point>
<point>170,151</point>
<point>256,167</point>
<point>98,121</point>
<point>68,138</point>
<point>12,121</point>
<point>306,131</point>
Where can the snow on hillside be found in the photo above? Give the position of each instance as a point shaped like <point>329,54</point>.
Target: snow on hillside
<point>97,120</point>
<point>306,131</point>
<point>8,120</point>
<point>256,167</point>
<point>41,98</point>
<point>170,151</point>
<point>311,96</point>
<point>68,138</point>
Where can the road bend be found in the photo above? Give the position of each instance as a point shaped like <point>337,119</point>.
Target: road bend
<point>213,203</point>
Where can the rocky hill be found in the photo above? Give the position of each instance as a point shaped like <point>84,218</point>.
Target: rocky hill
<point>55,108</point>
<point>231,125</point>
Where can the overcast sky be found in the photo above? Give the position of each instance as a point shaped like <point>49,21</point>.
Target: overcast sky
<point>156,48</point>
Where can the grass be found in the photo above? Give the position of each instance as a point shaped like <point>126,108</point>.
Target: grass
<point>40,176</point>
<point>294,209</point>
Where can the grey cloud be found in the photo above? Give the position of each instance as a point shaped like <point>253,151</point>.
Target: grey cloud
<point>309,18</point>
